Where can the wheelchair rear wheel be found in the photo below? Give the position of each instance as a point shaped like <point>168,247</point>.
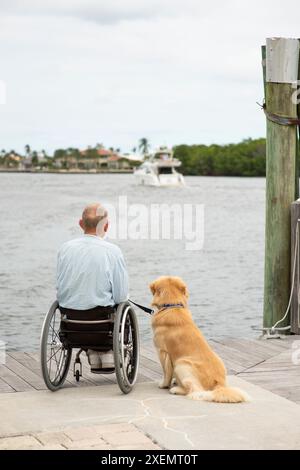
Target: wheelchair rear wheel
<point>55,358</point>
<point>126,347</point>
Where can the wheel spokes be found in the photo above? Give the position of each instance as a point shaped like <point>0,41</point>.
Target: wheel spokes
<point>56,353</point>
<point>59,368</point>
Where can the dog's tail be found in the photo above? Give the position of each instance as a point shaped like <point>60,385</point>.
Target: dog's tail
<point>221,394</point>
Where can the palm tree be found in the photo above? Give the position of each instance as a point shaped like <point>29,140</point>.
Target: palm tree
<point>2,156</point>
<point>27,150</point>
<point>35,158</point>
<point>144,145</point>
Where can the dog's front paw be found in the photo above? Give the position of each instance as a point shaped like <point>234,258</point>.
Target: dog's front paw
<point>177,390</point>
<point>162,384</point>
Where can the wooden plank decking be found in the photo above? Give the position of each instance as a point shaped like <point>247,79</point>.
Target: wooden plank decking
<point>267,363</point>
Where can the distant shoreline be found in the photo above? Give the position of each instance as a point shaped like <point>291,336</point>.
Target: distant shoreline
<point>111,172</point>
<point>66,172</point>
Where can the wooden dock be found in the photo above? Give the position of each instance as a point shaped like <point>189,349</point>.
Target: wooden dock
<point>266,363</point>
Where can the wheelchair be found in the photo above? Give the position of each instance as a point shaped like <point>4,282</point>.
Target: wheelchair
<point>114,328</point>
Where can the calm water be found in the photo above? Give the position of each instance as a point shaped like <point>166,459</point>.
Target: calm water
<point>225,278</point>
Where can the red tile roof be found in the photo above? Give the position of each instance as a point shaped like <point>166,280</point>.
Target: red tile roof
<point>104,153</point>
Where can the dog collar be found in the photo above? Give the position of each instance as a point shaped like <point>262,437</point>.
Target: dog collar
<point>167,306</point>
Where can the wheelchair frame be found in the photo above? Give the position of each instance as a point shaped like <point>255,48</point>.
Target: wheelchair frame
<point>56,349</point>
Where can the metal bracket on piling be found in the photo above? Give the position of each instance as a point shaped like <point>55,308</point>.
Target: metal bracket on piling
<point>271,334</point>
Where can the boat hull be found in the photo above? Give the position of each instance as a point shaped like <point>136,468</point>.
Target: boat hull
<point>175,179</point>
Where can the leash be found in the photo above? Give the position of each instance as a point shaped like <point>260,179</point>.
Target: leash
<point>142,307</point>
<point>151,311</point>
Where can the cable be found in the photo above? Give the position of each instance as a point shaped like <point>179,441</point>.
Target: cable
<point>296,257</point>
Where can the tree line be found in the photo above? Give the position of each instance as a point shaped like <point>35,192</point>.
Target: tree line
<point>247,158</point>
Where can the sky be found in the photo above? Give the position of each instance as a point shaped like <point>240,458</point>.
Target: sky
<point>80,72</point>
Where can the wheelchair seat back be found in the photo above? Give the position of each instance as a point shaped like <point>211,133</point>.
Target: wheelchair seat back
<point>87,329</point>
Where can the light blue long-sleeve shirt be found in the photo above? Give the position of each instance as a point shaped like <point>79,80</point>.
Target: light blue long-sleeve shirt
<point>91,272</point>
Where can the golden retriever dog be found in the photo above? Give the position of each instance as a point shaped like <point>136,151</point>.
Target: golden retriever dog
<point>185,356</point>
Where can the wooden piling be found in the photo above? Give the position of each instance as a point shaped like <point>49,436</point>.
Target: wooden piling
<point>282,59</point>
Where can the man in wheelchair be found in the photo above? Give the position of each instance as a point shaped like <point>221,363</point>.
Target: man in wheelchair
<point>91,276</point>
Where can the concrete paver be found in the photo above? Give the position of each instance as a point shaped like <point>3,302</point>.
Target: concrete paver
<point>148,417</point>
<point>19,443</point>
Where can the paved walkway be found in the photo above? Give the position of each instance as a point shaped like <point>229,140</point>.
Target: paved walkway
<point>148,418</point>
<point>100,437</point>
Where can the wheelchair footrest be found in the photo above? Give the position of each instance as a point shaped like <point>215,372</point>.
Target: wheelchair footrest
<point>109,370</point>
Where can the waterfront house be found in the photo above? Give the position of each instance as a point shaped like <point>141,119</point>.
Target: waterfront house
<point>92,159</point>
<point>11,161</point>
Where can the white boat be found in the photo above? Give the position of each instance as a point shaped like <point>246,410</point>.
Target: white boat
<point>159,169</point>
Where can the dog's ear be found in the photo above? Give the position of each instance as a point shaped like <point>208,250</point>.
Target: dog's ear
<point>153,287</point>
<point>181,286</point>
<point>185,291</point>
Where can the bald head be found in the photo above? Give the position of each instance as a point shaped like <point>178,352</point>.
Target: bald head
<point>94,219</point>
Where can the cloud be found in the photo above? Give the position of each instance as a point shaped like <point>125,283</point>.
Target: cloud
<point>106,11</point>
<point>178,73</point>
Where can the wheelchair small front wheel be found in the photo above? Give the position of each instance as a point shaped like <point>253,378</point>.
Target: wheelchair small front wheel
<point>126,347</point>
<point>55,358</point>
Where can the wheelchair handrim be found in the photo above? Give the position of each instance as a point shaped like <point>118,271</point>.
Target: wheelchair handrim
<point>62,363</point>
<point>120,359</point>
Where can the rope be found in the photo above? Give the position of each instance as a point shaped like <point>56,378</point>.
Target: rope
<point>296,262</point>
<point>274,328</point>
<point>278,119</point>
